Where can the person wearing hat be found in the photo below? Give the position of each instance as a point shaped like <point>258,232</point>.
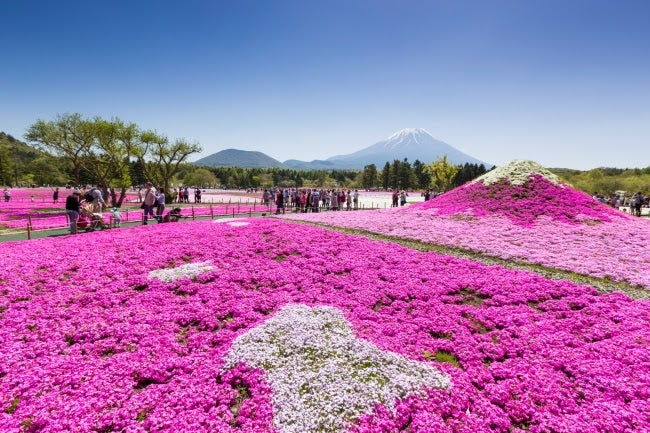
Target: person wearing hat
<point>72,209</point>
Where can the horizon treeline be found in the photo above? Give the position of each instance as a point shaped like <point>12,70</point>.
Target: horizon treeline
<point>26,165</point>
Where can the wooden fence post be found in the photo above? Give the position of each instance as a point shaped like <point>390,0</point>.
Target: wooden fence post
<point>29,232</point>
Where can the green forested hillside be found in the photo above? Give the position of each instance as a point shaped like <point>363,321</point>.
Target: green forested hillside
<point>17,160</point>
<point>606,181</point>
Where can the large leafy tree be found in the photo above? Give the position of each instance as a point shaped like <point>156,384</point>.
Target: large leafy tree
<point>369,179</point>
<point>68,136</point>
<point>105,151</point>
<point>385,176</point>
<point>422,178</point>
<point>442,173</point>
<point>201,177</point>
<point>162,159</point>
<point>110,155</point>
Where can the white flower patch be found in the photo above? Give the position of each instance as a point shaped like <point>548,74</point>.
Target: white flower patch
<point>518,172</point>
<point>239,223</point>
<point>228,220</point>
<point>321,375</point>
<point>189,270</point>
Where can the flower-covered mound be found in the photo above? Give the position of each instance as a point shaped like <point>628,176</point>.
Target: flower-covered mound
<point>321,375</point>
<point>536,221</point>
<point>508,192</point>
<point>91,343</point>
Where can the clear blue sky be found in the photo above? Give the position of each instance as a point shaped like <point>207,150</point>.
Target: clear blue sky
<point>564,83</point>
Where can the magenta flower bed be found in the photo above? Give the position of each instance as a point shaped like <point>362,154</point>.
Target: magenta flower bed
<point>91,343</point>
<point>539,222</point>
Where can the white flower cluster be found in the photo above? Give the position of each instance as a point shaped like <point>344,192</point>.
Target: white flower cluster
<point>189,270</point>
<point>518,172</point>
<point>321,375</point>
<point>235,222</point>
<point>238,223</point>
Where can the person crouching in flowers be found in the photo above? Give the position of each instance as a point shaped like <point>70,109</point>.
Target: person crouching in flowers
<point>173,216</point>
<point>72,210</point>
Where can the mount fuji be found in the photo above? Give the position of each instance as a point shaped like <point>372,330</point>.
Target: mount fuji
<point>411,143</point>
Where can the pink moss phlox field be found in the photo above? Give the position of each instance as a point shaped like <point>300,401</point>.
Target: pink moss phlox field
<point>90,343</point>
<point>537,222</point>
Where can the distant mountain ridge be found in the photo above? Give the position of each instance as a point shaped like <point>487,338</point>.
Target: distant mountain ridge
<point>410,143</point>
<point>240,158</point>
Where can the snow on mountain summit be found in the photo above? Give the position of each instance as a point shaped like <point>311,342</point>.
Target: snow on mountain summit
<point>406,137</point>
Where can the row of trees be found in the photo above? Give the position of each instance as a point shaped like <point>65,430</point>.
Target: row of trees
<point>439,175</point>
<point>606,181</point>
<point>112,152</point>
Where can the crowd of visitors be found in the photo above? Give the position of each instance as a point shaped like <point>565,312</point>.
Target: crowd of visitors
<point>310,199</point>
<point>90,202</point>
<point>620,200</point>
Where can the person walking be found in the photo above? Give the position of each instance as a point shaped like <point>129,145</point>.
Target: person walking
<point>315,200</point>
<point>148,202</point>
<point>160,204</point>
<point>55,195</point>
<point>637,202</point>
<point>72,209</point>
<point>279,201</point>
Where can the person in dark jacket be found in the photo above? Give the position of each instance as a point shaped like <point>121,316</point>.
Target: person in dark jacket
<point>72,209</point>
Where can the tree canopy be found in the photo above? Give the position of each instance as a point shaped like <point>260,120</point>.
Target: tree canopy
<point>103,151</point>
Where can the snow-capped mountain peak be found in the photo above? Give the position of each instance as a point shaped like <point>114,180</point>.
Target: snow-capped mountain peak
<point>413,132</point>
<point>407,137</point>
<point>410,143</point>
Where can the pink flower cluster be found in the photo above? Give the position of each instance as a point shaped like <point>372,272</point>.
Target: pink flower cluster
<point>91,343</point>
<point>538,222</point>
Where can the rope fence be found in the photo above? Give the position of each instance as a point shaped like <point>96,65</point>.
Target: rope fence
<point>43,223</point>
